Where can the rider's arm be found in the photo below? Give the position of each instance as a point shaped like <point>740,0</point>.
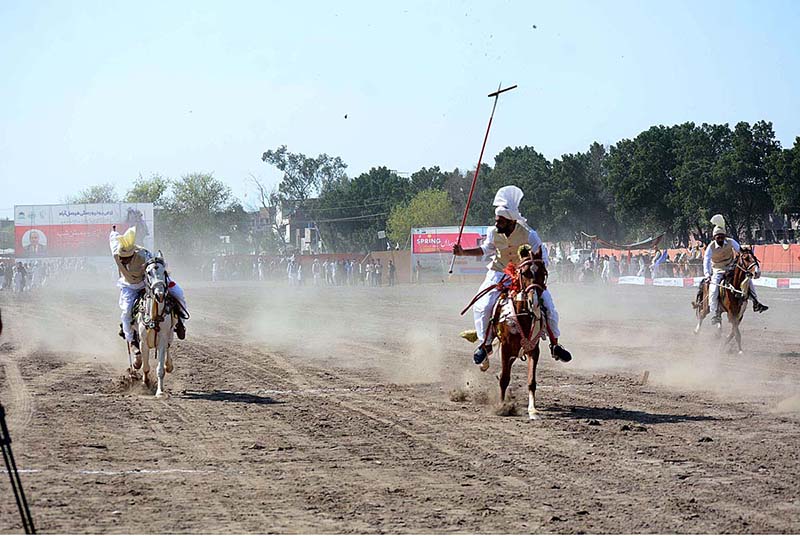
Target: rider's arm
<point>707,261</point>
<point>736,247</point>
<point>487,248</point>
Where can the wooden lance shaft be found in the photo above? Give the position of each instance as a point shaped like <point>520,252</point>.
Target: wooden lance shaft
<point>496,95</point>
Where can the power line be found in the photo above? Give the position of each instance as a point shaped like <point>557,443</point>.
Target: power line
<point>352,218</point>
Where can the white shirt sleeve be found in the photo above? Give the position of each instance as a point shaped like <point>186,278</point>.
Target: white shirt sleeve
<point>707,261</point>
<point>736,247</point>
<point>488,246</point>
<point>537,244</point>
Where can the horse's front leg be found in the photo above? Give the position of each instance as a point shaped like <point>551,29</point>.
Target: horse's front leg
<point>533,360</point>
<point>161,352</point>
<point>145,348</point>
<point>506,359</point>
<point>738,335</point>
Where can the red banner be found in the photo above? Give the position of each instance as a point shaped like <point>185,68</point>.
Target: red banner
<point>64,240</point>
<point>443,242</point>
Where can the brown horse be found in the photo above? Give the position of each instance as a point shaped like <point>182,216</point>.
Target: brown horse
<point>733,293</point>
<point>519,322</point>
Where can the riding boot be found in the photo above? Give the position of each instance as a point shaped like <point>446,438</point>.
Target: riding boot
<point>716,320</point>
<point>481,357</point>
<point>759,307</point>
<point>558,352</point>
<point>121,332</point>
<point>180,329</point>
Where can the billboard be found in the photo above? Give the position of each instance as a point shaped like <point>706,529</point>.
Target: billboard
<point>432,251</point>
<point>77,230</point>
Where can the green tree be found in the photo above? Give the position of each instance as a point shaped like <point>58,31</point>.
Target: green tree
<point>192,218</point>
<point>785,179</point>
<point>154,189</point>
<point>350,212</point>
<point>99,193</point>
<point>429,208</point>
<point>427,179</point>
<point>304,177</point>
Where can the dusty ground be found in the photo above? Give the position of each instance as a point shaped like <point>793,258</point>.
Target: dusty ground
<point>329,411</point>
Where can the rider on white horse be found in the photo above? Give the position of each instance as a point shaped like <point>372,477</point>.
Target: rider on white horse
<point>131,261</point>
<point>718,260</point>
<point>502,243</point>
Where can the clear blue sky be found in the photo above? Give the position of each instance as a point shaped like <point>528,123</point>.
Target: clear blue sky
<point>101,91</point>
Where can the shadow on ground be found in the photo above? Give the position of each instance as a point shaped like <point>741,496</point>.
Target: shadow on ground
<point>229,396</point>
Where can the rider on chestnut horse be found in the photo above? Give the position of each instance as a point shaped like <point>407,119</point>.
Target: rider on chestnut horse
<point>718,261</point>
<point>502,242</point>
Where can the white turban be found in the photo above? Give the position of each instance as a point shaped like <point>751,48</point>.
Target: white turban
<point>507,201</point>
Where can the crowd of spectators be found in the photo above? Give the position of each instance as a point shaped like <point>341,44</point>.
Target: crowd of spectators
<point>21,275</point>
<point>300,271</point>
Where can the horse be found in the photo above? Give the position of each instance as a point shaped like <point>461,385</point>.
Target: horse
<point>733,293</point>
<point>156,320</point>
<point>519,321</point>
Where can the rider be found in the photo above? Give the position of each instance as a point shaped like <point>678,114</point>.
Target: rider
<point>718,260</point>
<point>502,243</point>
<point>131,261</point>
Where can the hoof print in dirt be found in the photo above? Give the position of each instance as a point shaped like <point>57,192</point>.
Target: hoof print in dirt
<point>705,439</point>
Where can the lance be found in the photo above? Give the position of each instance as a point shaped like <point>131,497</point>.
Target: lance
<point>496,95</point>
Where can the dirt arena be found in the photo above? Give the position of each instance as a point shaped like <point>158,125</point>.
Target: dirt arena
<point>329,410</point>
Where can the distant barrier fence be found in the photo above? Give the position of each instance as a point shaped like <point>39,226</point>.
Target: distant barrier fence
<point>769,282</point>
<point>774,258</point>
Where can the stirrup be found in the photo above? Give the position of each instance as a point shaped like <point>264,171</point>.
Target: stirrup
<point>560,353</point>
<point>180,330</point>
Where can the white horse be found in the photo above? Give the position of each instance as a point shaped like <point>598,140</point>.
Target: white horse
<point>156,322</point>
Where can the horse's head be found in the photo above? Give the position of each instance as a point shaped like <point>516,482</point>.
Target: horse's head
<point>156,277</point>
<point>747,262</point>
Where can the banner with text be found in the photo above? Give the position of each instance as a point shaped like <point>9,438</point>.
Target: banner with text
<point>77,230</point>
<point>432,250</point>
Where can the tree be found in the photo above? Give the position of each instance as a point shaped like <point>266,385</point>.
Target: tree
<point>304,177</point>
<point>99,193</point>
<point>350,212</point>
<point>785,179</point>
<point>429,208</point>
<point>427,179</point>
<point>193,217</point>
<point>154,189</point>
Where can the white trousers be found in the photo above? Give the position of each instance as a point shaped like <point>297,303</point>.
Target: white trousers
<point>127,297</point>
<point>482,309</point>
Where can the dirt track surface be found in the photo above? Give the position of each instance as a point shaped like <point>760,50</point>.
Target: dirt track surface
<point>304,410</point>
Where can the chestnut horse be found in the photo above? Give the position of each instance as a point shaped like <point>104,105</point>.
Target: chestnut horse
<point>519,321</point>
<point>733,293</point>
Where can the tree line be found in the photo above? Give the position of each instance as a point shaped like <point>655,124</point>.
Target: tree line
<point>666,179</point>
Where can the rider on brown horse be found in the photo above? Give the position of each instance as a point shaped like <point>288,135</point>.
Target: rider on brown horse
<point>502,242</point>
<point>718,261</point>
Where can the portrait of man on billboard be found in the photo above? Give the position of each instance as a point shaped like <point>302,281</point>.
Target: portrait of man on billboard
<point>34,242</point>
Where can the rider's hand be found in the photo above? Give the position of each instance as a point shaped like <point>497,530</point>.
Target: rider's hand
<point>458,250</point>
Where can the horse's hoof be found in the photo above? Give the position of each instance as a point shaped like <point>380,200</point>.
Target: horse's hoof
<point>485,365</point>
<point>168,365</point>
<point>740,352</point>
<point>137,361</point>
<point>161,394</point>
<point>534,416</point>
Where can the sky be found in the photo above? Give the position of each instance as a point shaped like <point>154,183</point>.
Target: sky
<point>102,91</point>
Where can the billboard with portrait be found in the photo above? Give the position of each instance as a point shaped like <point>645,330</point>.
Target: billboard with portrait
<point>77,230</point>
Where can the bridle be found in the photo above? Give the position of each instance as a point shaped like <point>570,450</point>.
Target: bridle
<point>749,268</point>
